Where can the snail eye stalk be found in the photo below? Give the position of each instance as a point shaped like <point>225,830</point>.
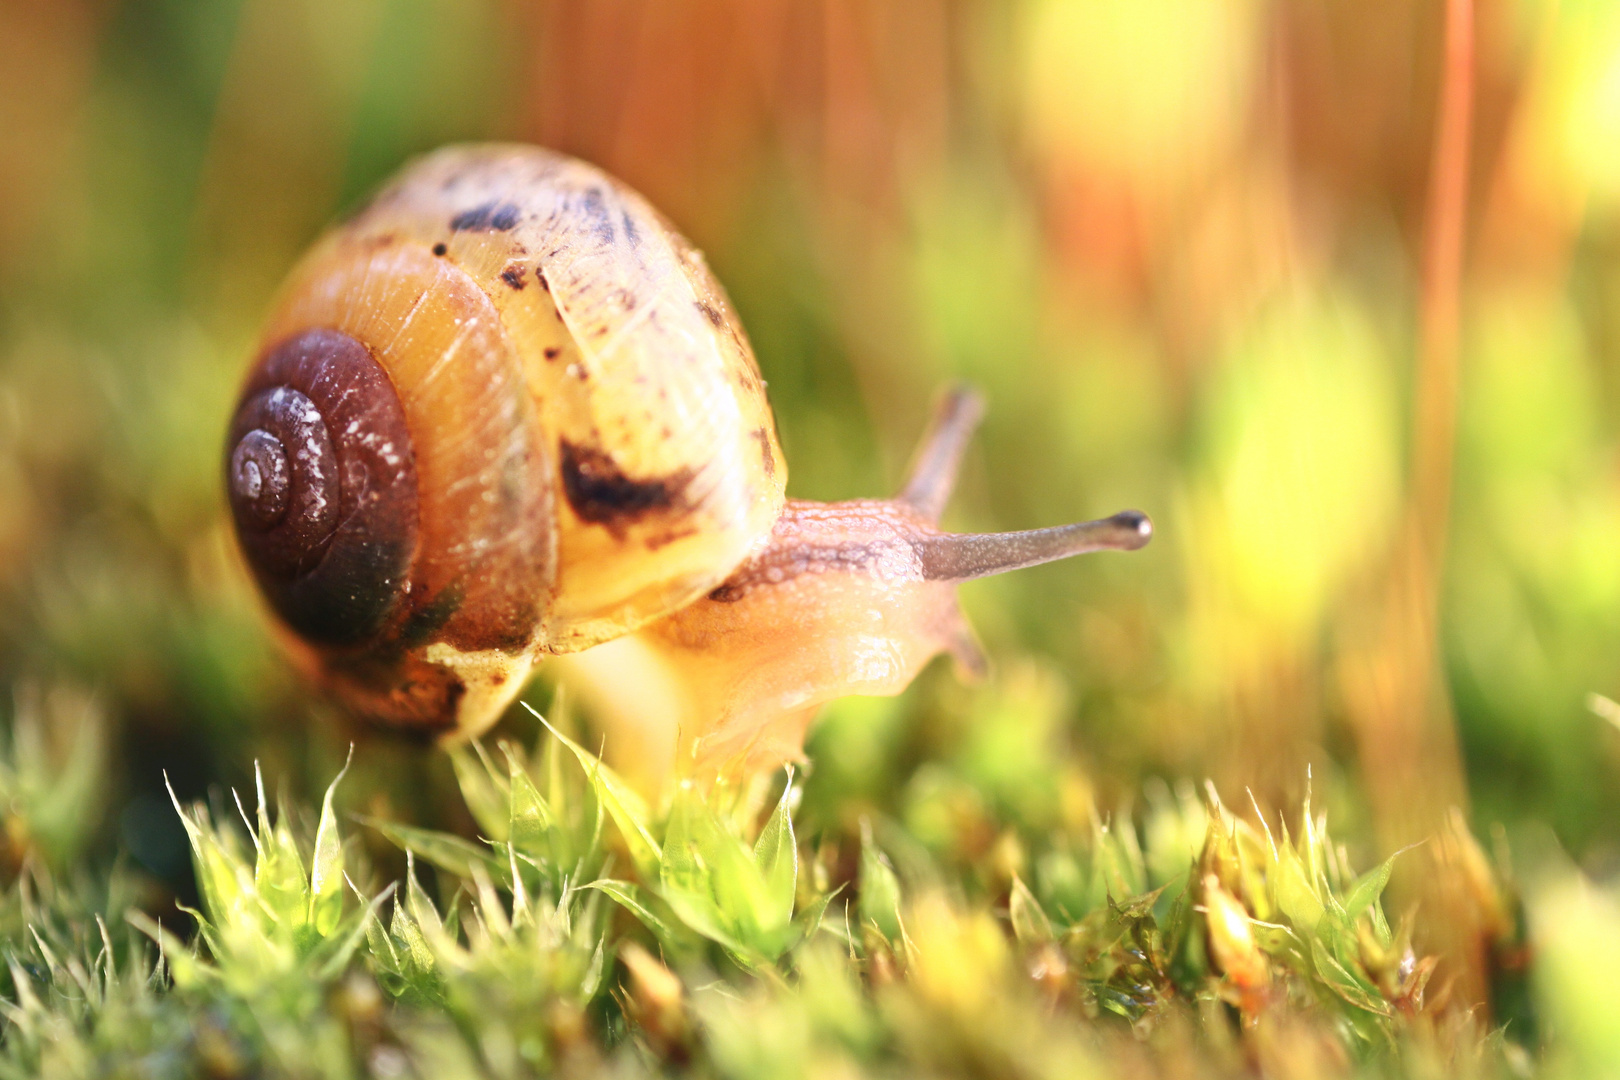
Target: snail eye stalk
<point>939,455</point>
<point>965,556</point>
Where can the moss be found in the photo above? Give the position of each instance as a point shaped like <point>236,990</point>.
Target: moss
<point>589,934</point>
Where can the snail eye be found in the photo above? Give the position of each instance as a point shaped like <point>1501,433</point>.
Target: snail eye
<point>322,486</point>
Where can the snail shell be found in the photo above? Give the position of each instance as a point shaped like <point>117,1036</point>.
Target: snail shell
<point>503,411</point>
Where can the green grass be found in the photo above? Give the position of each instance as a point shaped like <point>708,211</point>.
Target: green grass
<point>588,934</point>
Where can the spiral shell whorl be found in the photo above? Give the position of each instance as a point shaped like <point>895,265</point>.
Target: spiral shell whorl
<point>321,480</point>
<point>258,478</point>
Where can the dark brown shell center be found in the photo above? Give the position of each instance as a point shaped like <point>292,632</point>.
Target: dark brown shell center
<point>289,503</point>
<point>258,479</point>
<point>321,479</point>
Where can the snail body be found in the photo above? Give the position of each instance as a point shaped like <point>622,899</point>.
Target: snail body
<point>505,411</point>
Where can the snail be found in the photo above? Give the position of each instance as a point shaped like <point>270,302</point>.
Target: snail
<point>505,412</point>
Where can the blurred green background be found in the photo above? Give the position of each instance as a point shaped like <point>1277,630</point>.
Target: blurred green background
<point>1178,245</point>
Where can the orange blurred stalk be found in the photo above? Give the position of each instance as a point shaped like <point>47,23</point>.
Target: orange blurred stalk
<point>1394,688</point>
<point>1445,219</point>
